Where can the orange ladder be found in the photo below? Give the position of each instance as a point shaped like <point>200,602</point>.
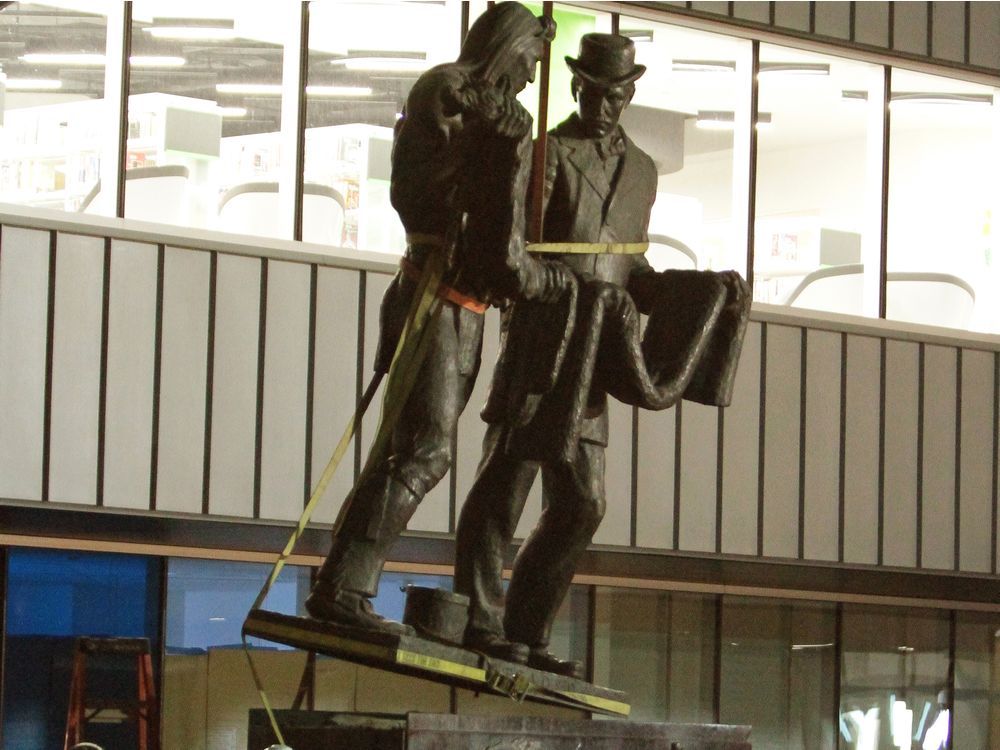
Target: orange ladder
<point>143,710</point>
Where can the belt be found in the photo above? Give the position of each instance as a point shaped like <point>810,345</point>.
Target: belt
<point>444,291</point>
<point>589,248</point>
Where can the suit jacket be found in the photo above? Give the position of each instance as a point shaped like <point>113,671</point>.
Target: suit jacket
<point>580,205</point>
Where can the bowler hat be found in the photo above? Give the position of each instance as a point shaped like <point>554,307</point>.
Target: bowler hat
<point>606,59</point>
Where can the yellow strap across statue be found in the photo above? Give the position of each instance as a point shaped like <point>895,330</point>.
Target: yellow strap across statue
<point>588,248</point>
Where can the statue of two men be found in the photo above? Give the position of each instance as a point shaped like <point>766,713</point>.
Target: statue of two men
<point>572,332</point>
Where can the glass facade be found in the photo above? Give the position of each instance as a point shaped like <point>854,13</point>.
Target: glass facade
<point>804,674</point>
<point>212,110</point>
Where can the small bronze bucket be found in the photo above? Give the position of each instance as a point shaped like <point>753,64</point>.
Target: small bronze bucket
<point>436,613</point>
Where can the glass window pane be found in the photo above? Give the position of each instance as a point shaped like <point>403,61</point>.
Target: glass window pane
<point>944,189</point>
<point>777,672</point>
<point>52,598</point>
<point>204,117</point>
<point>894,677</point>
<point>659,647</point>
<point>361,69</point>
<point>819,171</point>
<point>977,680</point>
<point>53,118</point>
<point>682,115</point>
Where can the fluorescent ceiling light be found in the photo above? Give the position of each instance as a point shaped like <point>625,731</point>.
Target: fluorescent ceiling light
<point>46,84</point>
<point>854,95</point>
<point>192,28</point>
<point>638,35</point>
<point>710,120</point>
<point>232,111</point>
<point>63,58</point>
<point>793,68</point>
<point>704,66</point>
<point>933,97</point>
<point>274,89</point>
<point>383,64</point>
<point>156,61</point>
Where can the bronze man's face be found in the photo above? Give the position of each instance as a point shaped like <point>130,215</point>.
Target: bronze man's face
<point>601,106</point>
<point>522,66</point>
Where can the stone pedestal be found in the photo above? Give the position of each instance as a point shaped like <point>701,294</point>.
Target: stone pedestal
<point>320,730</point>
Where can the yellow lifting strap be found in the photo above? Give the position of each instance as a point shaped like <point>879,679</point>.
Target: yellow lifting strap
<point>588,248</point>
<point>410,350</point>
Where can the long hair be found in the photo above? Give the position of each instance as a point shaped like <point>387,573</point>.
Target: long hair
<point>499,34</point>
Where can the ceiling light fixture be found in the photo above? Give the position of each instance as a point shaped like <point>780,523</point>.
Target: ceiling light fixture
<point>63,58</point>
<point>379,61</point>
<point>712,120</point>
<point>192,28</point>
<point>338,90</point>
<point>935,97</point>
<point>703,66</point>
<point>796,68</point>
<point>638,35</point>
<point>33,84</point>
<point>232,111</point>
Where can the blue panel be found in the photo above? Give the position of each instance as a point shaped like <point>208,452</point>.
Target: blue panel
<point>53,597</point>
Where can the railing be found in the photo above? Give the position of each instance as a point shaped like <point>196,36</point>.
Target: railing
<point>150,368</point>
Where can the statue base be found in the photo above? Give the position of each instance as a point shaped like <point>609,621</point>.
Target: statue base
<point>435,661</point>
<point>322,730</point>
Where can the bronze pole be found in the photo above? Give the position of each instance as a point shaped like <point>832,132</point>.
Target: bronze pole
<point>535,217</point>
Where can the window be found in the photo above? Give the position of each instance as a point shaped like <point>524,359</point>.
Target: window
<point>819,172</point>
<point>777,671</point>
<point>52,598</point>
<point>684,114</point>
<point>944,162</point>
<point>894,678</point>
<point>204,118</point>
<point>53,118</point>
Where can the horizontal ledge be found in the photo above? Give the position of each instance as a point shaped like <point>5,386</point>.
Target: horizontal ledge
<point>162,533</point>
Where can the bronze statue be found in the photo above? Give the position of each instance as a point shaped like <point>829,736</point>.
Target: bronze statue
<point>460,166</point>
<point>547,405</point>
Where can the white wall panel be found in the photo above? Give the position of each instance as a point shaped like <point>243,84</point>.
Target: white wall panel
<point>902,377</point>
<point>24,273</point>
<point>976,516</point>
<point>699,476</point>
<point>76,368</point>
<point>871,23</point>
<point>334,387</point>
<point>861,450</point>
<point>833,19</point>
<point>180,474</point>
<point>286,365</point>
<point>616,528</point>
<point>741,452</point>
<point>781,441</point>
<point>910,27</point>
<point>234,386</point>
<point>938,543</point>
<point>655,483</point>
<point>984,29</point>
<point>131,339</point>
<point>948,32</point>
<point>822,466</point>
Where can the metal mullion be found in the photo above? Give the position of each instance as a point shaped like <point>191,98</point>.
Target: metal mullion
<point>261,355</point>
<point>123,122</point>
<point>102,390</point>
<point>310,384</point>
<point>50,326</point>
<point>154,439</point>
<point>213,276</point>
<point>752,176</point>
<point>300,125</point>
<point>884,229</point>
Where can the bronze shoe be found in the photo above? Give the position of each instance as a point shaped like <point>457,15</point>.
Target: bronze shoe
<point>329,603</point>
<point>540,658</point>
<point>491,644</point>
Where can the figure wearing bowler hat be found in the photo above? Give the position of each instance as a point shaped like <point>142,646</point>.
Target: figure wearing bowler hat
<point>599,187</point>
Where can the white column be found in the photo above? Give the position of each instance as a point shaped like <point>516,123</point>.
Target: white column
<point>112,160</point>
